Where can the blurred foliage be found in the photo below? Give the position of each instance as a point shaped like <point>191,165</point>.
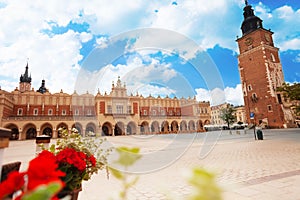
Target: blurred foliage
<point>204,186</point>
<point>127,158</point>
<point>44,192</point>
<point>202,182</point>
<point>293,93</point>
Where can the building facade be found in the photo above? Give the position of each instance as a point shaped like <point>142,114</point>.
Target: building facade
<point>30,113</point>
<point>261,73</point>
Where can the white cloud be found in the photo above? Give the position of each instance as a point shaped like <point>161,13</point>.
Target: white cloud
<point>293,44</point>
<point>56,58</point>
<point>102,42</point>
<point>284,22</point>
<point>135,74</point>
<point>85,37</point>
<point>218,96</point>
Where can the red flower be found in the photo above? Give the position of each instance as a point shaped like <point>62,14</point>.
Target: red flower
<point>42,170</point>
<point>72,157</point>
<point>92,159</point>
<point>14,182</point>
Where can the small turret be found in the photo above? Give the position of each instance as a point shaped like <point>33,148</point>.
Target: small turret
<point>42,89</point>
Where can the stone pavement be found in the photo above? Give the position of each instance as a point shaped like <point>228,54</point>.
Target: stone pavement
<point>245,168</point>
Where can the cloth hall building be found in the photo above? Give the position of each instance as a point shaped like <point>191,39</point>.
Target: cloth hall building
<point>29,113</point>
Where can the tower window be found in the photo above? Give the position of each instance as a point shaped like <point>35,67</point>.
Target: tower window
<point>270,108</point>
<point>20,111</point>
<point>145,112</point>
<point>249,87</point>
<point>76,112</point>
<point>63,112</point>
<point>50,112</point>
<point>254,98</point>
<point>279,98</point>
<point>273,57</point>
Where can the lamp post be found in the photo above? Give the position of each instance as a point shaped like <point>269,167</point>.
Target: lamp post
<point>252,116</point>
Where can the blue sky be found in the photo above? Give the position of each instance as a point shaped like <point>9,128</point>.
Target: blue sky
<point>175,48</point>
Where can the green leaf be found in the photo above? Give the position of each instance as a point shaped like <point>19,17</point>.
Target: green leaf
<point>44,192</point>
<point>116,173</point>
<point>128,156</point>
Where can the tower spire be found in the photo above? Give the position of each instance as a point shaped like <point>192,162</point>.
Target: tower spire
<point>25,77</point>
<point>251,22</point>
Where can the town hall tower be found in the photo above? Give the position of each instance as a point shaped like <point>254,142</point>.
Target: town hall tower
<point>260,72</point>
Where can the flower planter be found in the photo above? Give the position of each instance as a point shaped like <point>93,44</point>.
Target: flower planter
<point>72,194</point>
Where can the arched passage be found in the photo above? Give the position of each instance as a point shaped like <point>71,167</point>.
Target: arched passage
<point>155,127</point>
<point>192,126</point>
<point>30,131</point>
<point>46,129</point>
<point>14,131</point>
<point>183,126</point>
<point>131,128</point>
<point>165,127</point>
<point>119,129</point>
<point>78,126</point>
<point>174,127</point>
<point>199,126</point>
<point>107,129</point>
<point>90,128</point>
<point>144,129</point>
<point>60,127</point>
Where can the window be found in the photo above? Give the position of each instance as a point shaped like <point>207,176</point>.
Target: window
<point>119,109</point>
<point>109,109</point>
<point>254,98</point>
<point>76,112</point>
<point>128,109</point>
<point>273,57</point>
<point>153,112</point>
<point>35,111</point>
<point>63,112</point>
<point>269,108</point>
<point>20,111</point>
<point>249,87</point>
<point>145,112</point>
<point>50,112</point>
<point>89,112</point>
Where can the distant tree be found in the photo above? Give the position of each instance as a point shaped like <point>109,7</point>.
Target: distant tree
<point>293,93</point>
<point>227,114</point>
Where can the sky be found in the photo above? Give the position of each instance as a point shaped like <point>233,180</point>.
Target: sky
<point>177,48</point>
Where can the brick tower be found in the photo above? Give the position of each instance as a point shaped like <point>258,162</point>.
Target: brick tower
<point>260,72</point>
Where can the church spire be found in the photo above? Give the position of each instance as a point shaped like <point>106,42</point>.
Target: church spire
<point>25,77</point>
<point>251,22</point>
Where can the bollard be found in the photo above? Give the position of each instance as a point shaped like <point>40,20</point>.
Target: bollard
<point>4,142</point>
<point>42,141</point>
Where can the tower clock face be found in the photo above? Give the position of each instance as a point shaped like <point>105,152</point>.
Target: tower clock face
<point>248,41</point>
